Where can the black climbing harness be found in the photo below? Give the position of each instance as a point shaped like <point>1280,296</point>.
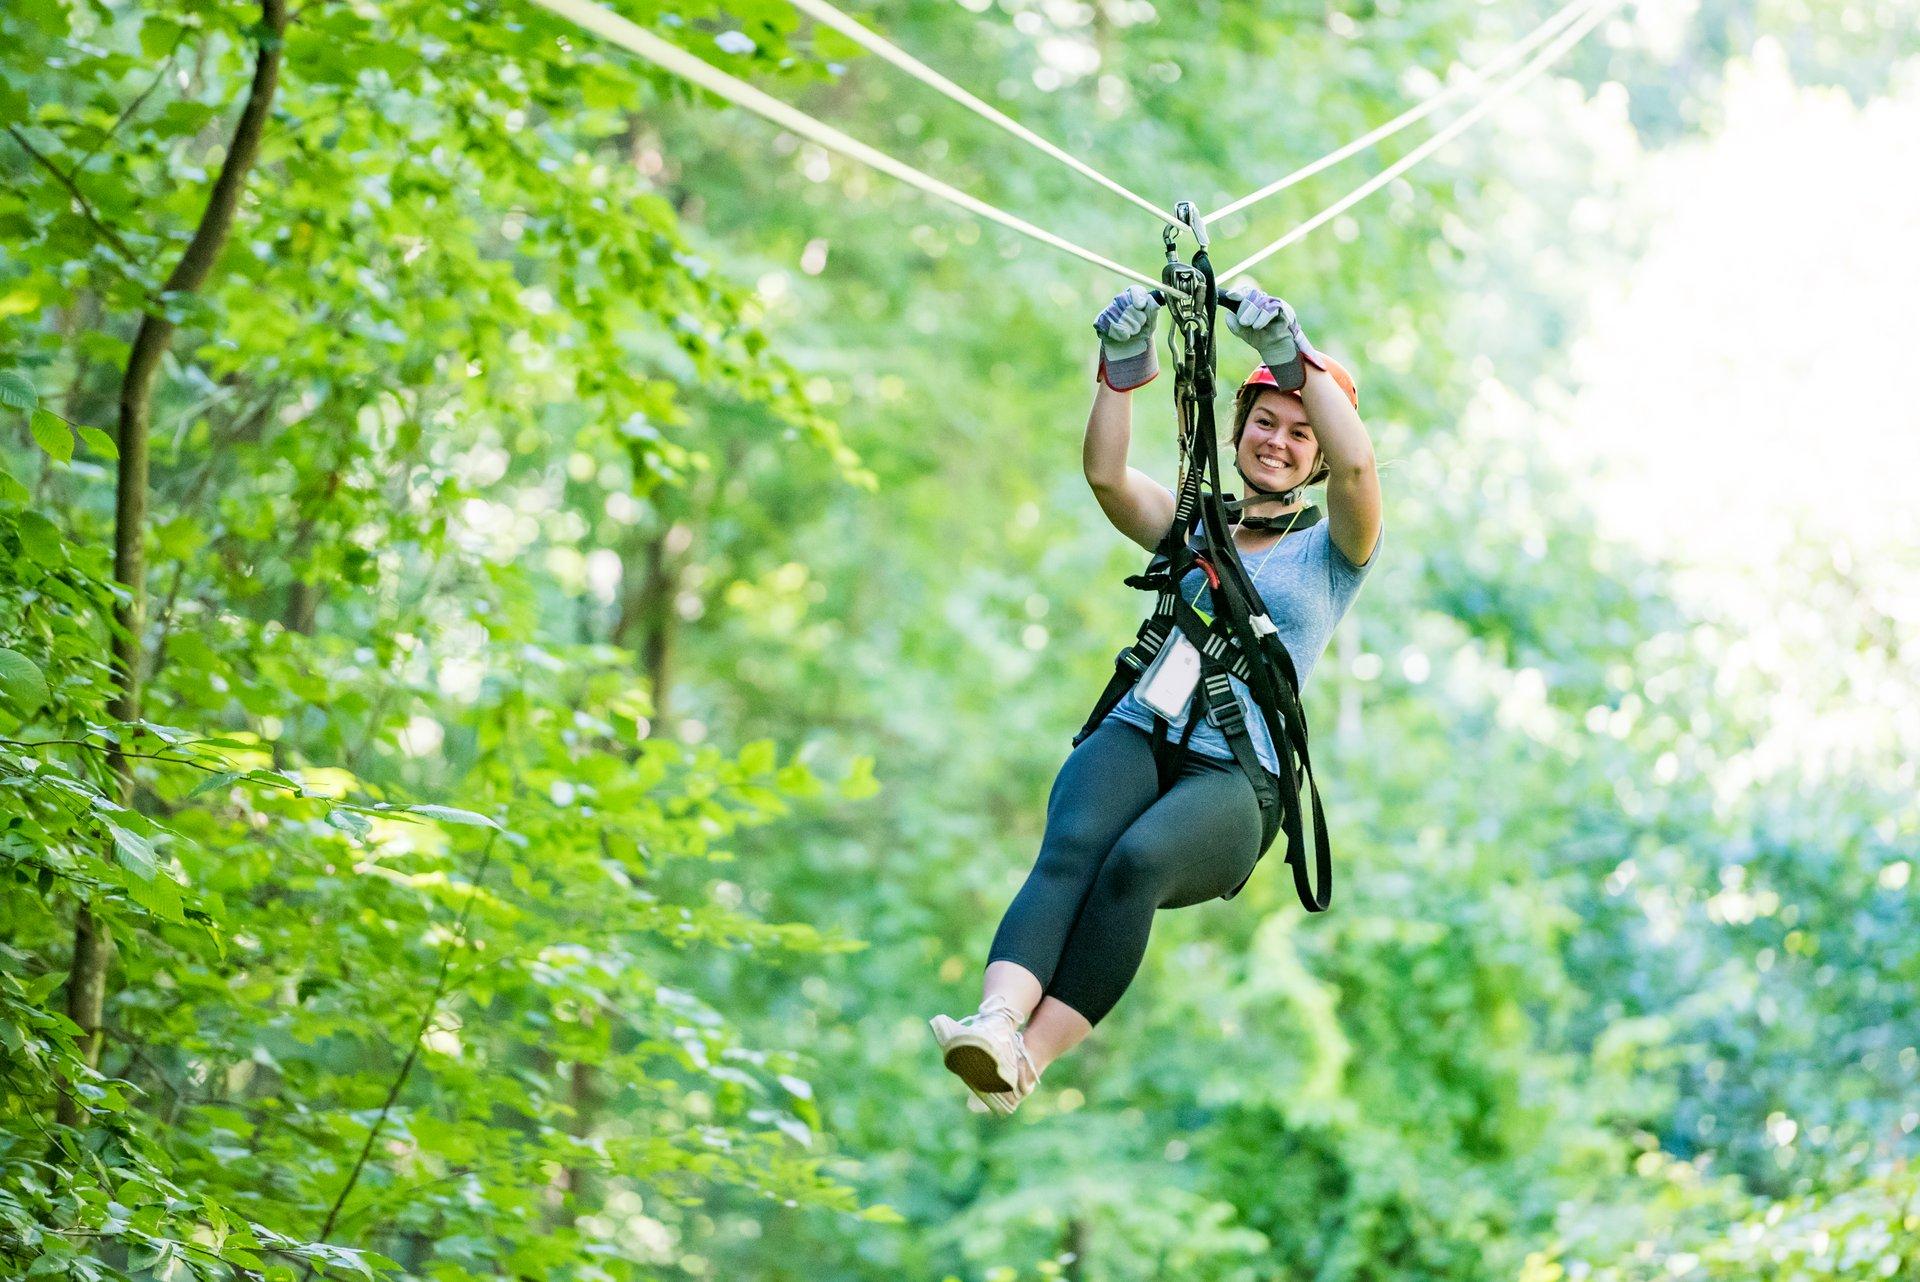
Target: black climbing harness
<point>1240,640</point>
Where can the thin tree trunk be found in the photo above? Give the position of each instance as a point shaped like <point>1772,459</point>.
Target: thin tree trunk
<point>582,1098</point>
<point>80,317</point>
<point>303,594</point>
<point>649,611</point>
<point>92,935</point>
<point>1073,1246</point>
<point>656,652</point>
<point>303,606</point>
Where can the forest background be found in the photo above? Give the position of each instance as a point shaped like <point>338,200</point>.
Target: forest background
<point>609,586</point>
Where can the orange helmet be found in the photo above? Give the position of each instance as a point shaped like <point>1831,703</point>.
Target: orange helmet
<point>1263,377</point>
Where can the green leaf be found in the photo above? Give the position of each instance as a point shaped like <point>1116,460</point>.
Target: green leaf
<point>39,537</point>
<point>134,852</point>
<point>54,436</point>
<point>22,684</point>
<point>452,815</point>
<point>859,783</point>
<point>181,118</point>
<point>350,822</point>
<point>157,36</point>
<point>17,393</point>
<point>50,1263</point>
<point>42,987</point>
<point>13,105</point>
<point>757,758</point>
<point>99,442</point>
<point>160,896</point>
<point>211,782</point>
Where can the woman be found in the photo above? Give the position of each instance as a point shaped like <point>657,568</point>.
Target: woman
<point>1118,847</point>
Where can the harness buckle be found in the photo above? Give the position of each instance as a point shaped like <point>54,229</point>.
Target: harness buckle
<point>1223,706</point>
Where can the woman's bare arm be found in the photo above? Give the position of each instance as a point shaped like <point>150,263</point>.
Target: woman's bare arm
<point>1139,506</point>
<point>1353,485</point>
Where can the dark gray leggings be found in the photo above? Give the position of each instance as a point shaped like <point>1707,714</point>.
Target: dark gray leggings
<point>1116,850</point>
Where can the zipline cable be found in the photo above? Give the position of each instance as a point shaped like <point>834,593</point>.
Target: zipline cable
<point>1478,78</point>
<point>617,30</point>
<point>1540,62</point>
<point>821,11</point>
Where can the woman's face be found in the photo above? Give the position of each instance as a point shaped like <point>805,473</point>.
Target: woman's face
<point>1277,448</point>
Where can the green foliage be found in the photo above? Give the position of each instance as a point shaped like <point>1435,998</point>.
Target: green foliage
<point>443,999</point>
<point>619,590</point>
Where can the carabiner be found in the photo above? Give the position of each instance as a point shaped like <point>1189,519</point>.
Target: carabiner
<point>1189,214</point>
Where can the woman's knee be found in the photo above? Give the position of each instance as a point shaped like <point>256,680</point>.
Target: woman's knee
<point>1074,845</point>
<point>1134,870</point>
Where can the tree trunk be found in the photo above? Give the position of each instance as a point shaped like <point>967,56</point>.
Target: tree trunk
<point>92,934</point>
<point>1073,1247</point>
<point>581,1096</point>
<point>303,594</point>
<point>649,611</point>
<point>663,585</point>
<point>303,607</point>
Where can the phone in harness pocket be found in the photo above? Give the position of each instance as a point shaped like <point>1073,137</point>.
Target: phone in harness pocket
<point>1167,684</point>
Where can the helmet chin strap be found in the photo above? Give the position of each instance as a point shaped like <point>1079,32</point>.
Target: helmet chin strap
<point>1257,495</point>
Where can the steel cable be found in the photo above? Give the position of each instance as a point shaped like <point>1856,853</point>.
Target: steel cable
<point>617,30</point>
<point>1420,111</point>
<point>1539,63</point>
<point>821,11</point>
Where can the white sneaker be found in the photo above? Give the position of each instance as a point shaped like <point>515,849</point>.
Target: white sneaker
<point>1004,1102</point>
<point>981,1048</point>
<point>987,1052</point>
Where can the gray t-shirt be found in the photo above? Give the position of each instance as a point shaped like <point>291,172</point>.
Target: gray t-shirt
<point>1307,583</point>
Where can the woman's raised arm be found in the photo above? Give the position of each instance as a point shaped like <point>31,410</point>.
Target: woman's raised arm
<point>1139,506</point>
<point>1353,484</point>
<point>1270,327</point>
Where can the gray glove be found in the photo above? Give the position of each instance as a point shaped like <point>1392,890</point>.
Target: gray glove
<point>1269,326</point>
<point>1127,358</point>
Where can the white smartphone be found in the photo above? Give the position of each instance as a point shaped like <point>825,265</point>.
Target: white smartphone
<point>1167,684</point>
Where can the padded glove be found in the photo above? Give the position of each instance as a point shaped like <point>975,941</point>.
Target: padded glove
<point>1125,326</point>
<point>1270,327</point>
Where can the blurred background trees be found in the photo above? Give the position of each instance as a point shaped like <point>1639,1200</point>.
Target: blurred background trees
<point>619,587</point>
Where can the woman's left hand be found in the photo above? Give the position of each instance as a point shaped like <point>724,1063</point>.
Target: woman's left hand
<point>1268,325</point>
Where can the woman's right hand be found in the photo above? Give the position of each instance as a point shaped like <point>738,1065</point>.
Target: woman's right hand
<point>1125,326</point>
<point>1268,325</point>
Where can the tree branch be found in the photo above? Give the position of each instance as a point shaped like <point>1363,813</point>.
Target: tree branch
<point>107,233</point>
<point>139,100</point>
<point>427,1010</point>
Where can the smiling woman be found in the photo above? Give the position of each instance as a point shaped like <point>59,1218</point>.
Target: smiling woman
<point>1175,788</point>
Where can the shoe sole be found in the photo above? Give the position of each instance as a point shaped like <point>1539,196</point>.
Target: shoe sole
<point>968,1055</point>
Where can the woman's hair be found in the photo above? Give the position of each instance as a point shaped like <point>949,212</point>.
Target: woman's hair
<point>1243,406</point>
